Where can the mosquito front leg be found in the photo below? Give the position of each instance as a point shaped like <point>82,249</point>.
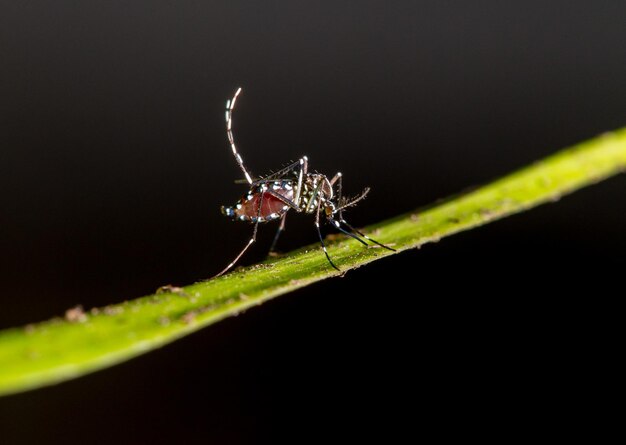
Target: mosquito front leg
<point>316,195</point>
<point>336,223</point>
<point>343,221</point>
<point>338,177</point>
<point>345,232</point>
<point>319,233</point>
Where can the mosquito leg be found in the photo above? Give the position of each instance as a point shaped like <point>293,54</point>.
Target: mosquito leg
<point>283,173</point>
<point>230,106</point>
<point>280,230</point>
<point>317,226</point>
<point>345,232</point>
<point>335,178</point>
<point>250,241</point>
<point>338,177</point>
<point>304,168</point>
<point>349,203</point>
<point>315,196</point>
<point>280,197</point>
<point>343,221</point>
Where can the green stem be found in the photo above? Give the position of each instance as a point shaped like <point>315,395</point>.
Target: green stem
<point>61,349</point>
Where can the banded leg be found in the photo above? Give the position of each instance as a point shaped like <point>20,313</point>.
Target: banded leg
<point>303,165</point>
<point>250,241</point>
<point>345,232</point>
<point>280,197</point>
<point>314,196</point>
<point>304,169</point>
<point>336,223</point>
<point>230,106</point>
<point>283,172</point>
<point>343,221</point>
<point>338,177</point>
<point>319,233</point>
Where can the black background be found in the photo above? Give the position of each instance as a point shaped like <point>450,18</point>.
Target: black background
<point>114,162</point>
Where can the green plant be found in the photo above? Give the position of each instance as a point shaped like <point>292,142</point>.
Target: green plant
<point>60,349</point>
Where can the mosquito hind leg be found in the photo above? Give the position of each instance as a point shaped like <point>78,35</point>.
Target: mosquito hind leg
<point>230,106</point>
<point>250,241</point>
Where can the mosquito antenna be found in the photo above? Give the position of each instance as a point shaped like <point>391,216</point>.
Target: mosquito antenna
<point>230,106</point>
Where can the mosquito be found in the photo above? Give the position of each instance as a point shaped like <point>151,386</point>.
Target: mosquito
<point>271,197</point>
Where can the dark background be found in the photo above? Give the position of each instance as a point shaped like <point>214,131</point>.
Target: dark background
<point>114,162</point>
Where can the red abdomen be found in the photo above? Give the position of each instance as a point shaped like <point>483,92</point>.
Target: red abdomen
<point>271,206</point>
